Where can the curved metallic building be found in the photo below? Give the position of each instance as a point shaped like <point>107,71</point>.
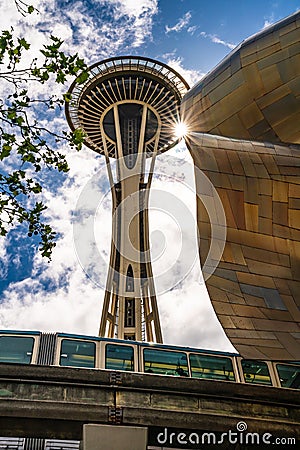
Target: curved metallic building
<point>244,135</point>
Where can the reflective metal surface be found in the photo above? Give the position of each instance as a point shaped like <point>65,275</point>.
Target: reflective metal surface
<point>254,97</point>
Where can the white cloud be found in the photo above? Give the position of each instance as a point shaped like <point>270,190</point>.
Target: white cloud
<point>191,76</point>
<point>188,317</point>
<point>181,24</point>
<point>216,40</point>
<point>138,16</point>
<point>132,8</point>
<point>192,29</point>
<point>269,21</point>
<point>115,24</point>
<point>4,259</point>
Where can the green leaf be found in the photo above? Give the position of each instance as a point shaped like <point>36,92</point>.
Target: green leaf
<point>11,114</point>
<point>19,120</point>
<point>82,77</point>
<point>29,158</point>
<point>67,97</point>
<point>6,149</point>
<point>37,189</point>
<point>24,43</point>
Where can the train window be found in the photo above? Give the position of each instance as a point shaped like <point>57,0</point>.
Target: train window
<point>211,367</point>
<point>165,362</point>
<point>256,372</point>
<point>289,375</point>
<point>16,349</point>
<point>77,353</point>
<point>119,357</point>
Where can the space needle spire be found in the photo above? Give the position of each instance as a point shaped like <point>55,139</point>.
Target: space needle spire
<point>128,109</point>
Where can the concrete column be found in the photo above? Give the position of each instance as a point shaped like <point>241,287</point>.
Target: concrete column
<point>114,437</point>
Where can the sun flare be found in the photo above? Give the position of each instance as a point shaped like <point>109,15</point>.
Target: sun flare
<point>180,130</point>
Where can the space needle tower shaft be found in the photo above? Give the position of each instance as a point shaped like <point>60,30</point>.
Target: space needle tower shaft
<point>128,110</point>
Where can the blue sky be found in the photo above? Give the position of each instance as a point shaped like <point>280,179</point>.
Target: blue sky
<point>192,36</point>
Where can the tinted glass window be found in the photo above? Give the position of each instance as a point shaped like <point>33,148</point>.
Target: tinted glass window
<point>77,353</point>
<point>16,349</point>
<point>119,357</point>
<point>256,372</point>
<point>165,362</point>
<point>289,375</point>
<point>211,367</point>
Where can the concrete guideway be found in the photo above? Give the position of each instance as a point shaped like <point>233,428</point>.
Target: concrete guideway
<point>55,403</point>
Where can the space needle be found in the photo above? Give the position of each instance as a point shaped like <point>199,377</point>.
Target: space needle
<point>128,109</point>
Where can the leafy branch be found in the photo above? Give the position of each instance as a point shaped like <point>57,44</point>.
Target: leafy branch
<point>23,8</point>
<point>23,138</point>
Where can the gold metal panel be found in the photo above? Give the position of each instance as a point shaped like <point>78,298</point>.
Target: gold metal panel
<point>289,38</point>
<point>224,308</point>
<point>251,217</point>
<point>277,325</point>
<point>250,115</point>
<point>292,26</point>
<point>272,59</point>
<point>288,69</point>
<point>232,125</point>
<point>269,50</point>
<point>292,307</point>
<point>265,184</point>
<point>243,322</point>
<point>280,191</point>
<point>264,225</point>
<point>258,254</point>
<point>258,342</point>
<point>250,49</point>
<point>294,218</point>
<point>248,59</point>
<point>272,96</point>
<point>265,206</point>
<point>235,299</point>
<point>215,82</point>
<point>271,78</point>
<point>289,129</point>
<point>248,311</point>
<point>226,87</point>
<point>254,301</point>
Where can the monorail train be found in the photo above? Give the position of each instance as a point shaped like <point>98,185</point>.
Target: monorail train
<point>61,349</point>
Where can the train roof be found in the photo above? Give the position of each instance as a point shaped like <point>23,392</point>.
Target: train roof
<point>120,341</point>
